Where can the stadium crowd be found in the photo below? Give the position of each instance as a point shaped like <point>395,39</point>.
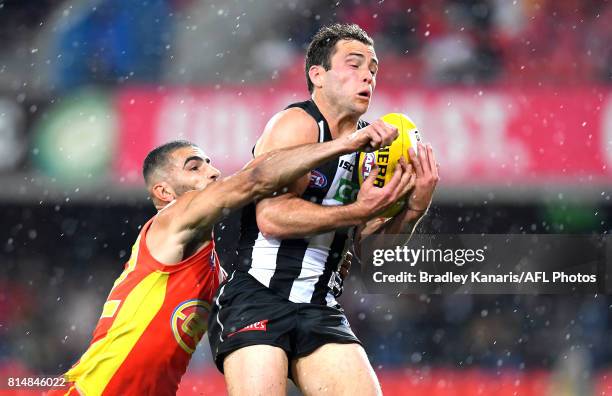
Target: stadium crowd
<point>464,42</point>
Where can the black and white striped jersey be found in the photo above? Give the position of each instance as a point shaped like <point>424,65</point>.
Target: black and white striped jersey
<point>301,269</point>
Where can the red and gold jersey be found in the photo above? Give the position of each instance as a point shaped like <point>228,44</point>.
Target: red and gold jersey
<point>154,317</point>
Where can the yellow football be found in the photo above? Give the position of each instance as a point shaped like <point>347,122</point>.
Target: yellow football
<point>387,157</point>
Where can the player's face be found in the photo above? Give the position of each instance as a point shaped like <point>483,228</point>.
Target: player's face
<point>191,170</point>
<point>352,77</point>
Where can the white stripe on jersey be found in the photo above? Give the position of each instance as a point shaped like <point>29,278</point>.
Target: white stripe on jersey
<point>316,253</point>
<point>322,132</point>
<point>264,254</point>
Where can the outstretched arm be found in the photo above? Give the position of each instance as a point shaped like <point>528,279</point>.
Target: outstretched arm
<point>197,211</point>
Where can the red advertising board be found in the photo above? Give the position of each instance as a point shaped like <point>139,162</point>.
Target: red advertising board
<point>481,136</point>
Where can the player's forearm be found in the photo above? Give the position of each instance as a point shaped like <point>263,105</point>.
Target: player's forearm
<point>271,171</point>
<point>278,168</point>
<point>293,217</point>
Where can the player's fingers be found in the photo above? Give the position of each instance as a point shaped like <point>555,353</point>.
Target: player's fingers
<point>348,258</point>
<point>424,159</point>
<point>432,161</point>
<point>416,163</point>
<point>390,133</point>
<point>383,131</point>
<point>407,172</point>
<point>372,176</point>
<point>376,139</point>
<point>345,267</point>
<point>400,171</point>
<point>396,178</point>
<point>411,182</point>
<point>408,187</point>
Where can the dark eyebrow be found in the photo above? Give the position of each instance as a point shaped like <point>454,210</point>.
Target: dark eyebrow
<point>357,54</point>
<point>193,157</point>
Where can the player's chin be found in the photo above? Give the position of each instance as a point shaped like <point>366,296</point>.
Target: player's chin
<point>361,105</point>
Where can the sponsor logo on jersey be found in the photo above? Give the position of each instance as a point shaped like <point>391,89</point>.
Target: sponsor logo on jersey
<point>189,322</point>
<point>317,179</point>
<point>347,191</point>
<point>345,165</point>
<point>261,325</point>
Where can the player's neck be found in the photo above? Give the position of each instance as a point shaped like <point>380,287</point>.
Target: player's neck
<point>340,120</point>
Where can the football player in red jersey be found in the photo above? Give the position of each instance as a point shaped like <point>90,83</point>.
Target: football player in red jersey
<point>156,311</point>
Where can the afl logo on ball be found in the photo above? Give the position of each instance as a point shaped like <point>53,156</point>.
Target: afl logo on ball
<point>189,322</point>
<point>317,179</point>
<point>368,162</point>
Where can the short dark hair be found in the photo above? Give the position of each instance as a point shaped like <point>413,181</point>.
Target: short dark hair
<point>158,157</point>
<point>321,47</point>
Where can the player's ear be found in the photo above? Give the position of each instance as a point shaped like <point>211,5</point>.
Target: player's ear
<point>163,192</point>
<point>316,73</point>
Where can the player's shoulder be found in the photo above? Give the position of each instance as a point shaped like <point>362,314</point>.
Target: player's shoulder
<point>295,118</point>
<point>290,127</point>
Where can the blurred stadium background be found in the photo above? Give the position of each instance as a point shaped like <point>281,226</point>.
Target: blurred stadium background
<point>514,95</point>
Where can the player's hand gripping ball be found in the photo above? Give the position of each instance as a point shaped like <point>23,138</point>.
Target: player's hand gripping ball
<point>387,157</point>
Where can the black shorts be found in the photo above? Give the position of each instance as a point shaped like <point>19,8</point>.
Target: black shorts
<point>245,312</point>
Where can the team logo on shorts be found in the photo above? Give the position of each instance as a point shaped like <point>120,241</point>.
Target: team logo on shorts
<point>317,179</point>
<point>189,322</point>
